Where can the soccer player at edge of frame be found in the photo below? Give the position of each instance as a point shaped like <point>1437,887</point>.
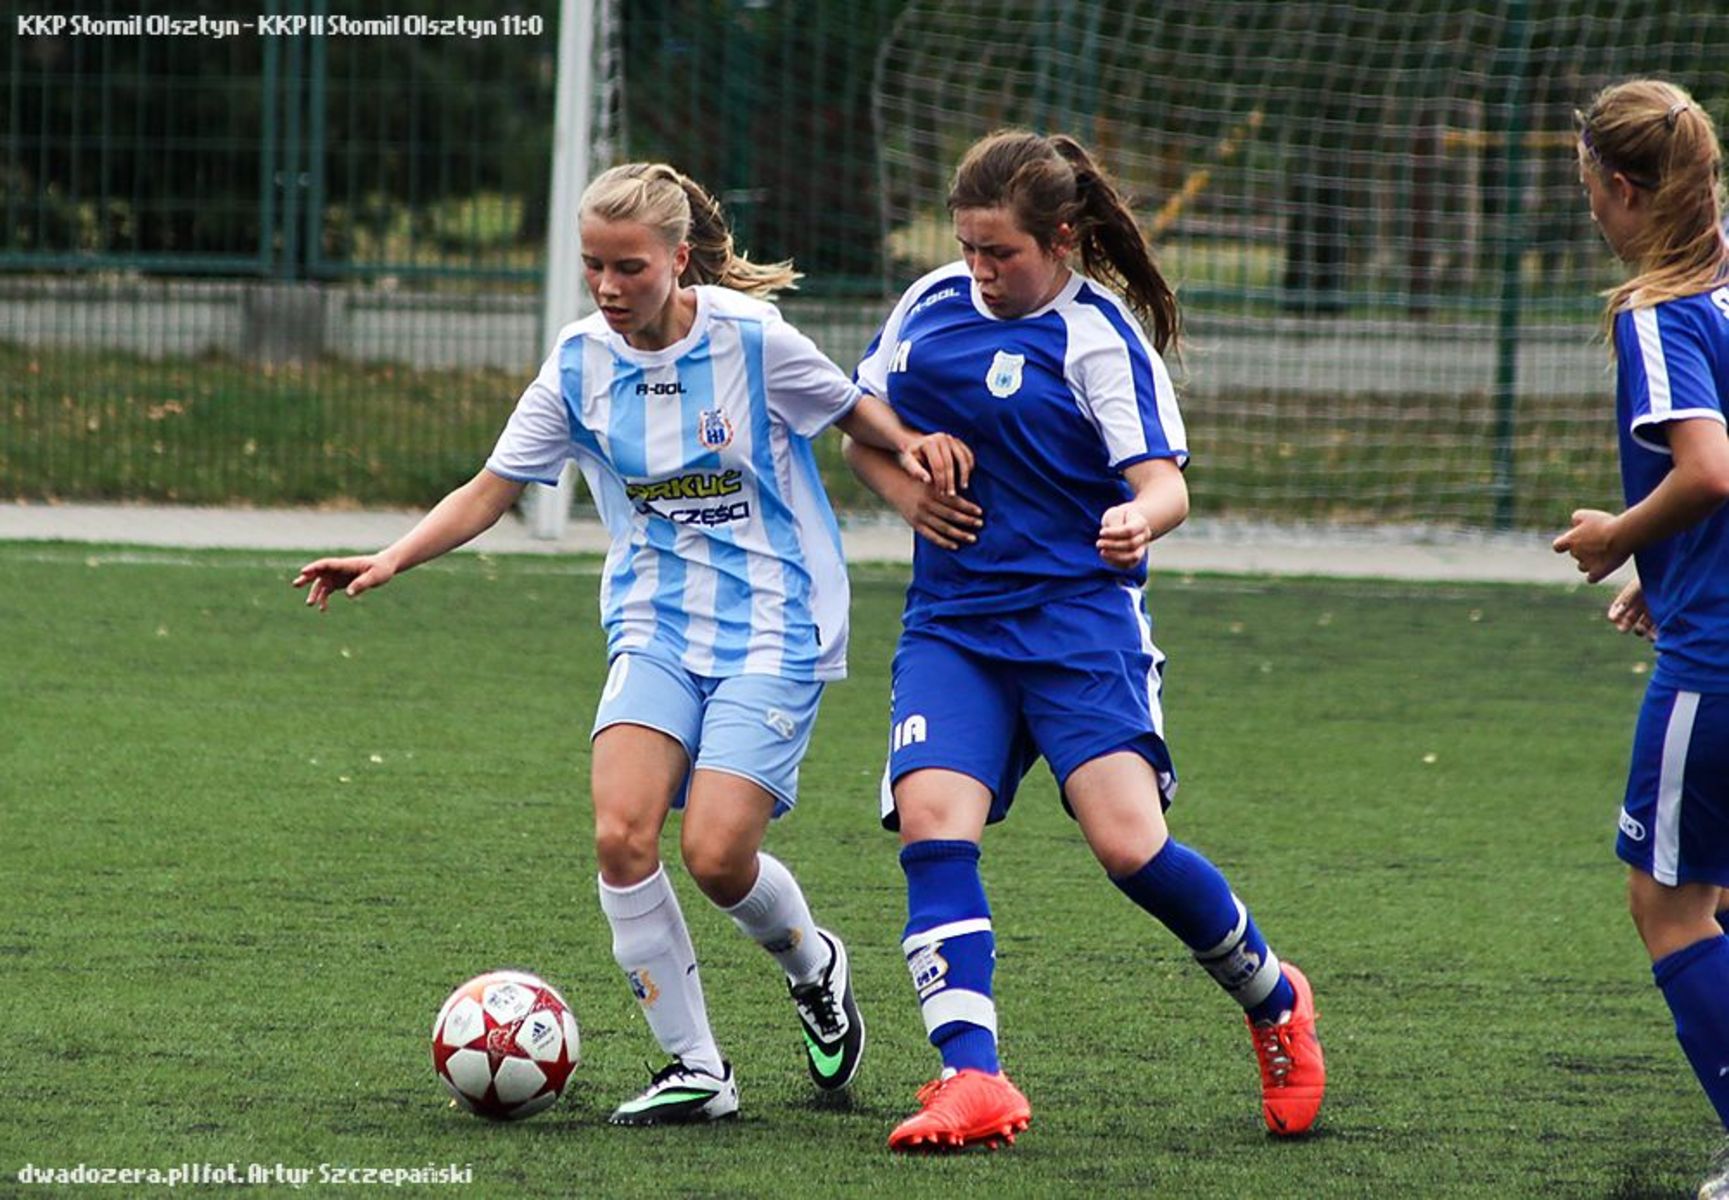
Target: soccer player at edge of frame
<point>1651,163</point>
<point>1025,631</point>
<point>689,404</point>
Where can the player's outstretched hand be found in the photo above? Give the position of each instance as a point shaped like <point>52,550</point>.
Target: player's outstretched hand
<point>1589,542</point>
<point>351,576</point>
<point>939,459</point>
<point>1629,613</point>
<point>1124,536</point>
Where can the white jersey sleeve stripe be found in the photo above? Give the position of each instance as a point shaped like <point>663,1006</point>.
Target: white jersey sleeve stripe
<point>1656,367</point>
<point>1125,386</point>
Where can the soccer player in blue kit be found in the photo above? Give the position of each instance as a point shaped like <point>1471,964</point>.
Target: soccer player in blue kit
<point>1025,631</point>
<point>1651,163</point>
<point>690,404</point>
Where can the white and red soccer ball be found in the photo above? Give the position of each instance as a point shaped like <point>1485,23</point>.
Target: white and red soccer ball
<point>505,1044</point>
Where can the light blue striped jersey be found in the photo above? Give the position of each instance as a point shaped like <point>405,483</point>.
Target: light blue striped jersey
<point>1055,404</point>
<point>725,552</point>
<point>1672,364</point>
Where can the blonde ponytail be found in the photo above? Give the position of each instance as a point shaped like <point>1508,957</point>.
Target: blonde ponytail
<point>681,210</point>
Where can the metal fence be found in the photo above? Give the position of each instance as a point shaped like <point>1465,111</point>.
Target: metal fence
<point>280,235</point>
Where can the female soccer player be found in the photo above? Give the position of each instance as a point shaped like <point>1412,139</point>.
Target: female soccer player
<point>689,403</point>
<point>1031,637</point>
<point>1650,162</point>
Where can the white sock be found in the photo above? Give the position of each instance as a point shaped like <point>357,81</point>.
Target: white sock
<point>652,947</point>
<point>775,916</point>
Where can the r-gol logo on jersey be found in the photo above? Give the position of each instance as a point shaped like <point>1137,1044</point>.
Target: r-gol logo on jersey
<point>1005,375</point>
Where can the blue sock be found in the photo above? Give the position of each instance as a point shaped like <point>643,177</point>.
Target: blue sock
<point>1189,895</point>
<point>952,951</point>
<point>1695,982</point>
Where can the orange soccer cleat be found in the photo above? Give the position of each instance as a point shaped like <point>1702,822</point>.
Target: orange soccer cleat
<point>968,1108</point>
<point>1293,1071</point>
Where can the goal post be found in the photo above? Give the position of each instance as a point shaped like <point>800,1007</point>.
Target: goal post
<point>577,145</point>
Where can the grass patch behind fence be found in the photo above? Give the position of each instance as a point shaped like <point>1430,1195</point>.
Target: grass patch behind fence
<point>86,425</point>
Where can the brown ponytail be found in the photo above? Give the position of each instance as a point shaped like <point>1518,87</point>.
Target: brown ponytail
<point>682,210</point>
<point>1049,182</point>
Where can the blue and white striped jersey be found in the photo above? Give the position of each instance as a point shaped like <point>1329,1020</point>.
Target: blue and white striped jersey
<point>725,552</point>
<point>1054,405</point>
<point>1673,365</point>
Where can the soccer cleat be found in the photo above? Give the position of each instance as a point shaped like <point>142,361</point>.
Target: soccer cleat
<point>1293,1071</point>
<point>834,1033</point>
<point>681,1095</point>
<point>1716,1185</point>
<point>968,1108</point>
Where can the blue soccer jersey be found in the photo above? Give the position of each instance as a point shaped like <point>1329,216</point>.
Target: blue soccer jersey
<point>1673,366</point>
<point>725,554</point>
<point>1054,405</point>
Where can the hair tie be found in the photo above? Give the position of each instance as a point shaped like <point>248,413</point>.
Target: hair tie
<point>1674,113</point>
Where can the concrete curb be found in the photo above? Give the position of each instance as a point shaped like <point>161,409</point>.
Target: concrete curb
<point>1211,546</point>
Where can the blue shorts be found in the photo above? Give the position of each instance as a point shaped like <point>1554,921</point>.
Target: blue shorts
<point>753,726</point>
<point>1072,681</point>
<point>1674,823</point>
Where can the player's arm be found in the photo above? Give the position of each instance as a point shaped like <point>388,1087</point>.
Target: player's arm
<point>939,459</point>
<point>1695,487</point>
<point>1160,504</point>
<point>465,513</point>
<point>942,518</point>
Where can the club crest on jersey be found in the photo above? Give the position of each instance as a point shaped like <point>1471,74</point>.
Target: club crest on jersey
<point>1004,378</point>
<point>713,430</point>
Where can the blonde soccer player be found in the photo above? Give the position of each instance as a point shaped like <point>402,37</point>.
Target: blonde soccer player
<point>690,405</point>
<point>1651,164</point>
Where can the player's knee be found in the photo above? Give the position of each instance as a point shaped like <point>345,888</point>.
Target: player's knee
<point>626,851</point>
<point>933,816</point>
<point>1669,918</point>
<point>721,871</point>
<point>1122,859</point>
